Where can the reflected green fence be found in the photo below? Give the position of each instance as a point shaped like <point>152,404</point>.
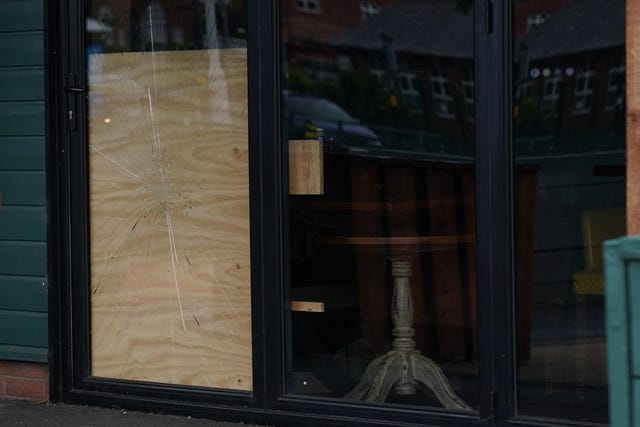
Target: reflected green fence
<point>431,144</point>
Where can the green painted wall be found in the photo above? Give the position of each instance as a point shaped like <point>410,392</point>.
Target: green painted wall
<point>23,217</point>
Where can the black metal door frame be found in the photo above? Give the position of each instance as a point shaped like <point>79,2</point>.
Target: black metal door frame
<point>269,403</point>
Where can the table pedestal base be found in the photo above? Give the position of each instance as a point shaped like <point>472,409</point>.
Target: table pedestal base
<point>404,367</point>
<point>404,370</point>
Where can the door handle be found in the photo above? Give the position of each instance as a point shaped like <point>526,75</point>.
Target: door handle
<point>73,89</point>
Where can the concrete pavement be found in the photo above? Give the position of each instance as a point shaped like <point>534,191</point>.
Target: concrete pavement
<point>31,414</point>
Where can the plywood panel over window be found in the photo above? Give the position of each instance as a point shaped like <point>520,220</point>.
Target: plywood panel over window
<point>169,217</point>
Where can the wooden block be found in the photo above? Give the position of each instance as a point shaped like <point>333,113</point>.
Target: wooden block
<point>308,306</point>
<point>306,167</point>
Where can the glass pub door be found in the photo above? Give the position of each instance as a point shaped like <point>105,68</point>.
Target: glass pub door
<point>169,192</point>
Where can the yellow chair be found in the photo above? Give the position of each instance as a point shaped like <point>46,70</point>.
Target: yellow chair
<point>597,226</point>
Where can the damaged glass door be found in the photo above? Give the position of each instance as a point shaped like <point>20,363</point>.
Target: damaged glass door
<point>168,192</point>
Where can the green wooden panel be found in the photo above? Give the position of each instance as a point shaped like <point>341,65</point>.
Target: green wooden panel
<point>636,403</point>
<point>23,293</point>
<point>21,118</point>
<point>23,328</point>
<point>23,188</point>
<point>21,15</point>
<point>18,49</point>
<point>23,258</point>
<point>633,285</point>
<point>22,83</point>
<point>23,223</point>
<point>22,153</point>
<point>28,354</point>
<point>618,362</point>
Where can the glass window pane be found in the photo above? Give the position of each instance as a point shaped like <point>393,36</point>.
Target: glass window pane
<point>169,192</point>
<point>569,197</point>
<point>382,203</point>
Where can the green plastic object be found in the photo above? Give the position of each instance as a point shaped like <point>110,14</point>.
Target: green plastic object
<point>622,294</point>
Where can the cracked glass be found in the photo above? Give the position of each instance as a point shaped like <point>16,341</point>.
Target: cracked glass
<point>169,192</point>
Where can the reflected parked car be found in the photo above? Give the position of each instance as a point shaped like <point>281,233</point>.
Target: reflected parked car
<point>312,117</point>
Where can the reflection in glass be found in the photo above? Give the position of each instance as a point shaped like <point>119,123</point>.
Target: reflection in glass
<point>382,248</point>
<point>168,192</point>
<point>568,122</point>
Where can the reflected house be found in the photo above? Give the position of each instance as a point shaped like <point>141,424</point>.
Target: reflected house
<point>172,24</point>
<point>143,181</point>
<point>571,78</point>
<point>307,26</point>
<point>432,81</point>
<point>570,94</point>
<point>529,14</point>
<point>421,95</point>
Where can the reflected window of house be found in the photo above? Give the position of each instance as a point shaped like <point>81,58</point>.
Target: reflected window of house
<point>615,84</point>
<point>308,6</point>
<point>524,90</point>
<point>551,96</point>
<point>369,9</point>
<point>409,89</point>
<point>441,90</point>
<point>381,76</point>
<point>583,97</point>
<point>319,69</point>
<point>535,20</point>
<point>468,89</point>
<point>154,25</point>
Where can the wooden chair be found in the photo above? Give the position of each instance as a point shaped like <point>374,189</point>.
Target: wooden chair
<point>597,226</point>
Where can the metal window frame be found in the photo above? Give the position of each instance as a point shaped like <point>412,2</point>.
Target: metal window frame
<point>268,403</point>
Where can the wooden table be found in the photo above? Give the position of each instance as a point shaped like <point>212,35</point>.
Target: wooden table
<point>403,367</point>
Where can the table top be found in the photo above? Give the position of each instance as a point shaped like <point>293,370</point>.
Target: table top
<point>399,245</point>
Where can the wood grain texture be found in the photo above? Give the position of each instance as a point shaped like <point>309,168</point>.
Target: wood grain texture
<point>169,206</point>
<point>305,167</point>
<point>633,116</point>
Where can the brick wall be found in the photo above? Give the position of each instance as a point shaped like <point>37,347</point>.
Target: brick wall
<point>24,380</point>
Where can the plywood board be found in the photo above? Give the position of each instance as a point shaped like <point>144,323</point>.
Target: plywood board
<point>169,218</point>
